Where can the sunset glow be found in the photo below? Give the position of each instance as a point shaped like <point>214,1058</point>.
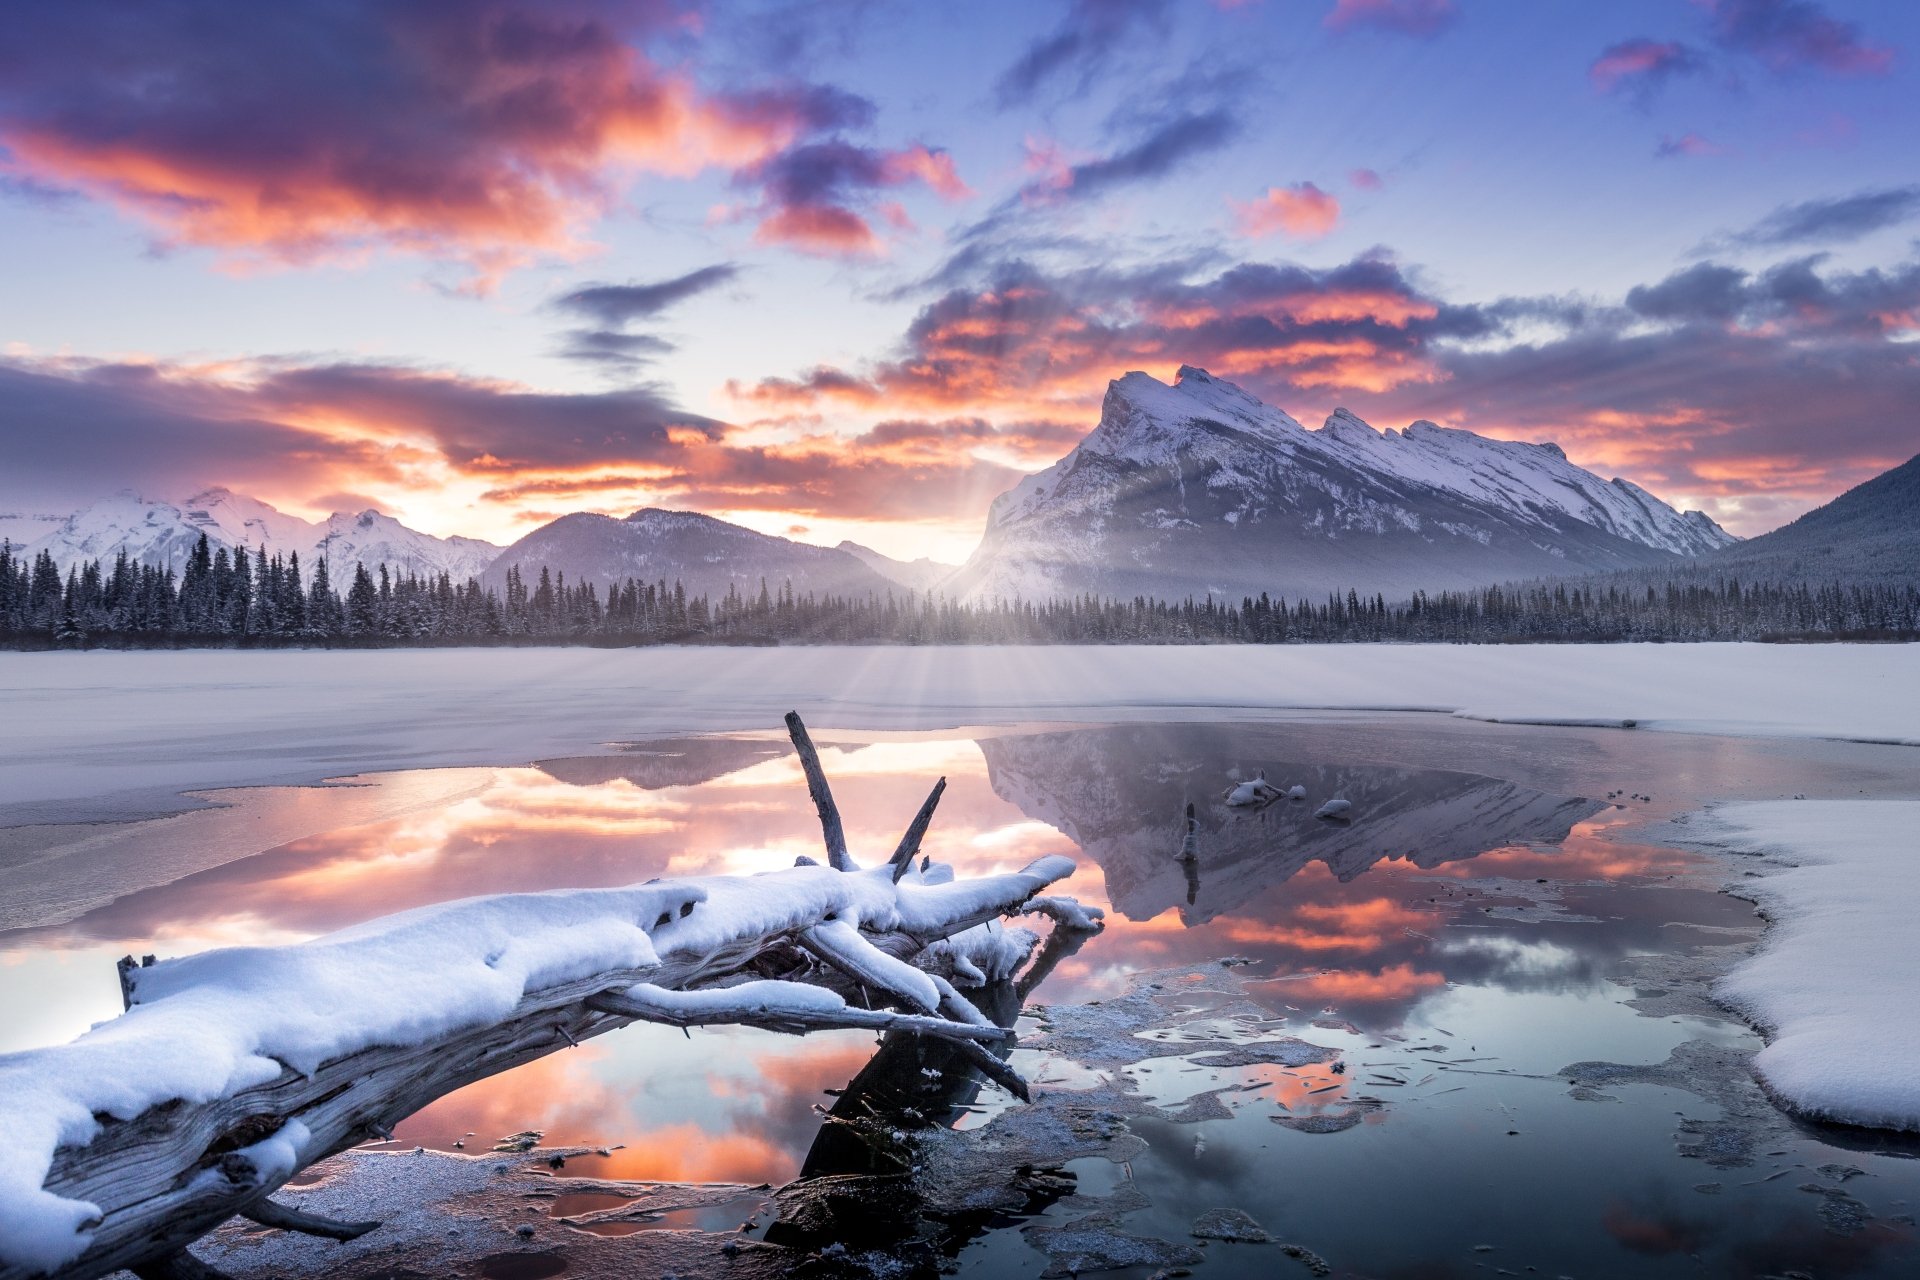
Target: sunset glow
<point>863,296</point>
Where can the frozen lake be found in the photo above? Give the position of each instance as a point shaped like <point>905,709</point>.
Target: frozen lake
<point>1501,907</point>
<point>92,735</point>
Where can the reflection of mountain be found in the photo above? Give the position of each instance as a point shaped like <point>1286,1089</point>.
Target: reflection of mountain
<point>667,762</point>
<point>1121,793</point>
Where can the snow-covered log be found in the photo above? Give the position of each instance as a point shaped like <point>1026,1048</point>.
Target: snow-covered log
<point>232,1070</point>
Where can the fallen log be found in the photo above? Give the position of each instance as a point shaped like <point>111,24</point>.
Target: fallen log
<point>232,1070</point>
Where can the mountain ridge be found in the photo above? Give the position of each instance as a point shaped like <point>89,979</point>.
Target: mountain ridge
<point>1872,530</point>
<point>1197,488</point>
<point>706,555</point>
<point>164,534</point>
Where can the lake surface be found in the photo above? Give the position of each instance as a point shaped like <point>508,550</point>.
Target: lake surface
<point>1503,903</point>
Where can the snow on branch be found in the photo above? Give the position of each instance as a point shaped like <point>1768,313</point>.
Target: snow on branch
<point>232,1070</point>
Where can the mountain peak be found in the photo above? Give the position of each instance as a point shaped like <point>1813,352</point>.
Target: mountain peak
<point>1348,427</point>
<point>164,534</point>
<point>1200,488</point>
<point>1145,419</point>
<point>706,555</point>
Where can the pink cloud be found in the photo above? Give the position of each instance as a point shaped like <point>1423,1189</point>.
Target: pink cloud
<point>1406,17</point>
<point>1640,65</point>
<point>1302,211</point>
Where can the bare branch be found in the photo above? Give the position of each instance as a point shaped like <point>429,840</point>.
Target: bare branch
<point>995,1069</point>
<point>271,1213</point>
<point>916,830</point>
<point>831,831</point>
<point>654,1004</point>
<point>842,946</point>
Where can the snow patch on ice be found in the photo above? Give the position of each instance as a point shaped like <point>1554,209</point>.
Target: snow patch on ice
<point>1834,982</point>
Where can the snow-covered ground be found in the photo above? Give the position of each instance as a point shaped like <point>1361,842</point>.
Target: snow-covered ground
<point>1835,982</point>
<point>99,735</point>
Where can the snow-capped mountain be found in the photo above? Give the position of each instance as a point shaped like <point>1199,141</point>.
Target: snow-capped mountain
<point>373,539</point>
<point>235,520</point>
<point>1199,488</point>
<point>916,575</point>
<point>156,533</point>
<point>705,555</point>
<point>164,534</point>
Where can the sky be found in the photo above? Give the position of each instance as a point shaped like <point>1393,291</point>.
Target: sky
<point>849,269</point>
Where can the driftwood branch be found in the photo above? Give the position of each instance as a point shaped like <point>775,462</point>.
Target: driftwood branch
<point>271,1213</point>
<point>643,1002</point>
<point>909,848</point>
<point>831,832</point>
<point>160,1179</point>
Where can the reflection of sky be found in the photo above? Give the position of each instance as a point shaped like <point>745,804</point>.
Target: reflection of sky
<point>1363,950</point>
<point>1376,949</point>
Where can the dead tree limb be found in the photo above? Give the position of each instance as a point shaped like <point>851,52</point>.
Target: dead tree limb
<point>271,1213</point>
<point>151,1172</point>
<point>831,832</point>
<point>909,848</point>
<point>648,1003</point>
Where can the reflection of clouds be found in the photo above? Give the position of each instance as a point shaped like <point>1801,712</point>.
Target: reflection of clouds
<point>1655,1232</point>
<point>1395,983</point>
<point>1532,958</point>
<point>1023,840</point>
<point>764,1086</point>
<point>529,830</point>
<point>1373,945</point>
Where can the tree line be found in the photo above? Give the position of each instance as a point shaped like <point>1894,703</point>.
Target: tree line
<point>224,597</point>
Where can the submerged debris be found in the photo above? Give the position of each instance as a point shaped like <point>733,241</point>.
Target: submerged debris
<point>1315,1264</point>
<point>1715,1073</point>
<point>1074,1249</point>
<point>1349,1115</point>
<point>1256,793</point>
<point>1228,1224</point>
<point>516,1143</point>
<point>1842,1214</point>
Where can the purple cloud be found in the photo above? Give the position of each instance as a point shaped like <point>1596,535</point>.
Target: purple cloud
<point>1790,35</point>
<point>1423,19</point>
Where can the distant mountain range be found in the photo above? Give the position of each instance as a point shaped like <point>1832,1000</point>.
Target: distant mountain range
<point>915,575</point>
<point>164,534</point>
<point>1184,490</point>
<point>1199,489</point>
<point>705,555</point>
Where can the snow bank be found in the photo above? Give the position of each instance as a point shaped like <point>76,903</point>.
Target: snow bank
<point>1834,983</point>
<point>206,1026</point>
<point>92,735</point>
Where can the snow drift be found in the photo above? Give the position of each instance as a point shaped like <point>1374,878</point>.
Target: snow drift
<point>1833,984</point>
